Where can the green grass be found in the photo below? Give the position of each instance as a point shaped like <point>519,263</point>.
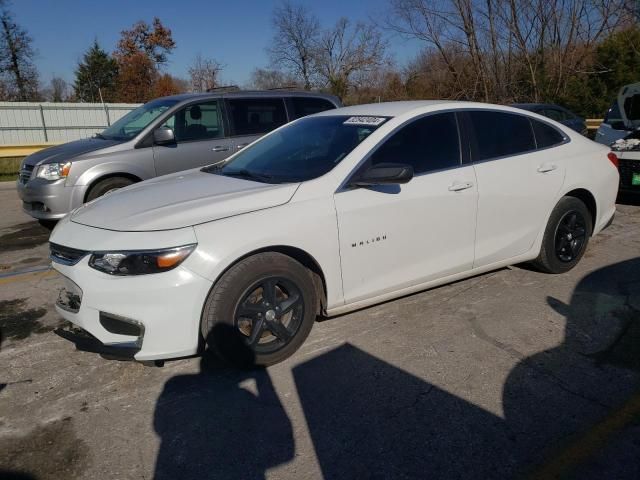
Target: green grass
<point>10,165</point>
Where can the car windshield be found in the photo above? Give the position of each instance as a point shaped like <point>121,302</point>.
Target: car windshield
<point>301,151</point>
<point>137,120</point>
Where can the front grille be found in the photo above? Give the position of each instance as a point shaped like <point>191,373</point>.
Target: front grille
<point>627,168</point>
<point>25,173</point>
<point>65,255</point>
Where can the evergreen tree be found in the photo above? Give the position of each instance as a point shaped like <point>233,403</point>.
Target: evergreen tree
<point>96,70</point>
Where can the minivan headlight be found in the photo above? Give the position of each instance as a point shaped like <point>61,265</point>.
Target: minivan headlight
<point>53,171</point>
<point>140,262</point>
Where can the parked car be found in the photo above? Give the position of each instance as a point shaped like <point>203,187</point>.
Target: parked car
<point>331,213</point>
<point>623,116</point>
<point>627,152</point>
<point>557,113</point>
<point>163,136</point>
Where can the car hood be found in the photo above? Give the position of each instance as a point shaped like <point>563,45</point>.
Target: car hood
<point>180,200</point>
<point>629,105</point>
<point>67,151</point>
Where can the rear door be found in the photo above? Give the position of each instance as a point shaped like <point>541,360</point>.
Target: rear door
<point>517,181</point>
<point>303,106</point>
<point>251,118</point>
<point>200,139</point>
<point>397,236</point>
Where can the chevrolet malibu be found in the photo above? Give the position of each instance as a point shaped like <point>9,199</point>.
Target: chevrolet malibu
<point>331,213</point>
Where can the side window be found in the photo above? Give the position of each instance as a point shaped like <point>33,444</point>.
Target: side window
<point>546,135</point>
<point>428,144</point>
<point>256,116</point>
<point>303,106</point>
<point>614,117</point>
<point>499,134</point>
<point>200,121</point>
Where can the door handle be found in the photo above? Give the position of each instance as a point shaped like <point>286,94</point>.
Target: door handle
<point>458,187</point>
<point>220,148</point>
<point>547,167</point>
<point>242,145</point>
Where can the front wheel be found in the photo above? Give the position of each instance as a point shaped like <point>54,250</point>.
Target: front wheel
<point>566,236</point>
<point>260,311</point>
<point>107,185</point>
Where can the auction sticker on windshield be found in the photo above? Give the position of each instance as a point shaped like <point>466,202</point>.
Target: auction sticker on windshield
<point>370,121</point>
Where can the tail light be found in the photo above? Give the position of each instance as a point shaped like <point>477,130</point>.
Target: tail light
<point>613,158</point>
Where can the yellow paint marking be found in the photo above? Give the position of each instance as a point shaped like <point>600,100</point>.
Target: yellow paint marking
<point>589,443</point>
<point>23,277</point>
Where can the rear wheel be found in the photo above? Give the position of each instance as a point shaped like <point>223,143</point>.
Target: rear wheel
<point>260,311</point>
<point>566,236</point>
<point>106,186</point>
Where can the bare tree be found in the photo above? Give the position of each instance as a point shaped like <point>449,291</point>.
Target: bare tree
<point>505,50</point>
<point>294,41</point>
<point>57,91</point>
<point>265,79</point>
<point>16,58</point>
<point>347,50</point>
<point>204,73</point>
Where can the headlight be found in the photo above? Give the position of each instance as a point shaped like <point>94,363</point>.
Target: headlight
<point>140,262</point>
<point>53,171</point>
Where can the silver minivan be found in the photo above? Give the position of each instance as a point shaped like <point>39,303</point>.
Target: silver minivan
<point>163,136</point>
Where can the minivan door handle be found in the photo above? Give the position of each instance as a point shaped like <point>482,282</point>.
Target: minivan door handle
<point>242,145</point>
<point>220,148</point>
<point>458,187</point>
<point>547,167</point>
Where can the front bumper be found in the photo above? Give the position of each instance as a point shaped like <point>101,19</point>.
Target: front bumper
<point>49,200</point>
<point>166,307</point>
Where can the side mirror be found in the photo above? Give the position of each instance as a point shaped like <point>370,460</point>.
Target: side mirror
<point>384,174</point>
<point>163,136</point>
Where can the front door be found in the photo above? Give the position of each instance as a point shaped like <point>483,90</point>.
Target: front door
<point>200,139</point>
<point>393,237</point>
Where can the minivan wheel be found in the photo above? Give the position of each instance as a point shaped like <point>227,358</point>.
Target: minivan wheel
<point>107,185</point>
<point>566,236</point>
<point>260,311</point>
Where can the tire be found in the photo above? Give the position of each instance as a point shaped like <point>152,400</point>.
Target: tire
<point>107,185</point>
<point>242,300</point>
<point>566,236</point>
<point>48,224</point>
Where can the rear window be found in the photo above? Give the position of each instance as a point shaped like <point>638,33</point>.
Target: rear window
<point>256,116</point>
<point>546,135</point>
<point>303,106</point>
<point>500,134</point>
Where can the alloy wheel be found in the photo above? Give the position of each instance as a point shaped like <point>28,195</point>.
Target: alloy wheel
<point>570,236</point>
<point>269,314</point>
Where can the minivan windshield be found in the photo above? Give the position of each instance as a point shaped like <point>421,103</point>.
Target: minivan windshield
<point>301,151</point>
<point>137,120</point>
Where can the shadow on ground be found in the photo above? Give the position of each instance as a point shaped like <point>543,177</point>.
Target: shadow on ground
<point>24,236</point>
<point>370,419</point>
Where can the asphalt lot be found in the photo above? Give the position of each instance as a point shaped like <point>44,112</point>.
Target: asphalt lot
<point>512,374</point>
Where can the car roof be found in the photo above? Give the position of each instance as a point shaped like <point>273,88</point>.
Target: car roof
<point>389,109</point>
<point>249,93</point>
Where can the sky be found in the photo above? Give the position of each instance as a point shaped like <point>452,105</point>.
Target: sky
<point>234,32</point>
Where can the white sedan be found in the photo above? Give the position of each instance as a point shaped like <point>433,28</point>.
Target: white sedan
<point>329,214</point>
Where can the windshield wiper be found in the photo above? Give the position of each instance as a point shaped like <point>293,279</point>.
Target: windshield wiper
<point>100,136</point>
<point>246,174</point>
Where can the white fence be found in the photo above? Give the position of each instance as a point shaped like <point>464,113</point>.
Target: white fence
<point>32,123</point>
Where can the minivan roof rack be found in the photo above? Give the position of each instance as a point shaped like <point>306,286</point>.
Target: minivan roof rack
<point>286,87</point>
<point>224,88</point>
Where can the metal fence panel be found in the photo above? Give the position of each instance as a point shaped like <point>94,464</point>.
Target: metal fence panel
<point>38,122</point>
